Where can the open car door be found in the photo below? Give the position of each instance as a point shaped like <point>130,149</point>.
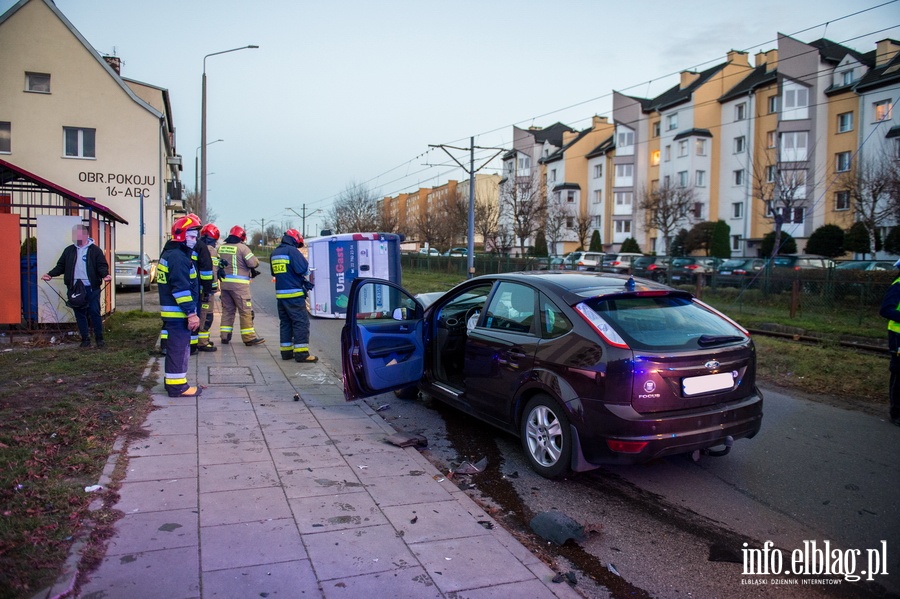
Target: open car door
<point>382,346</point>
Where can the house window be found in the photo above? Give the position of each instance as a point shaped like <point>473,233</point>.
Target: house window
<point>556,197</point>
<point>570,197</point>
<point>624,171</point>
<point>5,137</point>
<point>842,162</point>
<point>682,178</point>
<point>771,139</point>
<point>797,97</point>
<point>773,104</point>
<point>700,147</point>
<point>37,82</point>
<point>735,243</point>
<point>771,170</point>
<point>682,148</point>
<point>847,77</point>
<point>700,178</point>
<point>623,226</point>
<point>698,210</point>
<point>845,122</point>
<point>598,196</point>
<point>739,177</point>
<point>570,222</point>
<point>737,210</point>
<point>656,129</point>
<point>842,200</point>
<point>740,111</point>
<point>79,143</point>
<point>897,148</point>
<point>598,171</point>
<point>667,153</point>
<point>793,146</point>
<point>739,144</point>
<point>883,110</point>
<point>795,215</point>
<point>667,180</point>
<point>654,158</point>
<point>598,220</point>
<point>624,198</point>
<point>672,122</point>
<point>625,138</point>
<point>552,175</point>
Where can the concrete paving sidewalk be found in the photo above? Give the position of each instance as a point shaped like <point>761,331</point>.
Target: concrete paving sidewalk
<point>245,492</point>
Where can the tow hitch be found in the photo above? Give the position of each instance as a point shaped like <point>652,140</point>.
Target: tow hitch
<point>727,442</point>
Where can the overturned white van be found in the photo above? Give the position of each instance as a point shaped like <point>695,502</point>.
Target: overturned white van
<point>335,260</point>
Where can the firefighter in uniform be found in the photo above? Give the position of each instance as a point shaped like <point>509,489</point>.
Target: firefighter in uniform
<point>239,266</point>
<point>208,263</point>
<point>179,294</point>
<point>890,309</point>
<point>289,268</point>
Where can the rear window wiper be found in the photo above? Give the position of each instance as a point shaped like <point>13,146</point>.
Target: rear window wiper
<point>708,340</point>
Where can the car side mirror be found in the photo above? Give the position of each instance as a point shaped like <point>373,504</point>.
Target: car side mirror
<point>400,313</point>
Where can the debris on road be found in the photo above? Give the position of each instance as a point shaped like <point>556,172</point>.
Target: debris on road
<point>556,527</point>
<point>407,440</point>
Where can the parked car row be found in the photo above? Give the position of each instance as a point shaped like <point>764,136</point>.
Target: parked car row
<point>452,252</point>
<point>131,271</point>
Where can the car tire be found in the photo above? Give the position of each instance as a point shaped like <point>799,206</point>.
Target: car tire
<point>546,436</point>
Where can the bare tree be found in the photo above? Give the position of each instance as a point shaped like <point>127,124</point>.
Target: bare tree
<point>387,223</point>
<point>584,226</point>
<point>524,206</point>
<point>487,222</point>
<point>667,208</point>
<point>355,210</point>
<point>555,221</point>
<point>427,225</point>
<point>871,185</point>
<point>192,205</point>
<point>781,187</point>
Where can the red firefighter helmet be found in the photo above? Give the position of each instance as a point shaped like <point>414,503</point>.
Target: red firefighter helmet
<point>296,236</point>
<point>210,230</point>
<point>238,231</point>
<point>184,224</point>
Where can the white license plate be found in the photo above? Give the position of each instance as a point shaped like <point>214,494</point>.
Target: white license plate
<point>709,382</point>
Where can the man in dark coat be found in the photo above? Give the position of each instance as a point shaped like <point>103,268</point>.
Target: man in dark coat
<point>84,261</point>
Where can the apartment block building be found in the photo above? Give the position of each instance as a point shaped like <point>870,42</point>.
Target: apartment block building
<point>68,116</point>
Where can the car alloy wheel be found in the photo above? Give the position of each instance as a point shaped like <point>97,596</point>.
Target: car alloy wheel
<point>546,436</point>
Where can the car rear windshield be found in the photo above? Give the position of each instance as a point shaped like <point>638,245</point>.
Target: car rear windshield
<point>665,322</point>
<point>127,257</point>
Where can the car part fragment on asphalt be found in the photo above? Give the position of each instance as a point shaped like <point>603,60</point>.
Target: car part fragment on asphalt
<point>407,440</point>
<point>470,468</point>
<point>556,527</point>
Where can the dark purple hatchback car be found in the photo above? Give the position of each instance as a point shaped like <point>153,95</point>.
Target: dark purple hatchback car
<point>586,368</point>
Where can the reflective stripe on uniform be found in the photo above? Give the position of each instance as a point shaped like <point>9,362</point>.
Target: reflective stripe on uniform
<point>288,293</point>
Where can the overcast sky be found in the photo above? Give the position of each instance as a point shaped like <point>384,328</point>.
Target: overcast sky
<point>343,92</point>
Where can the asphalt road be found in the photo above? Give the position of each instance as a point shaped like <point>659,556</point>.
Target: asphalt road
<point>815,473</point>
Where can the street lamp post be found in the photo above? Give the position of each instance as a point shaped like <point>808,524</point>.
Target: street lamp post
<point>203,130</point>
<point>196,169</point>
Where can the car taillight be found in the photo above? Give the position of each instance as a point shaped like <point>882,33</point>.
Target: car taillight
<point>142,272</point>
<point>692,266</point>
<point>652,267</point>
<point>739,272</point>
<point>796,268</point>
<point>615,263</point>
<point>626,446</point>
<point>600,325</point>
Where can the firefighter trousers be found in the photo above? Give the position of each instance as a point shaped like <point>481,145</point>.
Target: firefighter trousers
<point>206,315</point>
<point>178,353</point>
<point>294,327</point>
<point>237,300</point>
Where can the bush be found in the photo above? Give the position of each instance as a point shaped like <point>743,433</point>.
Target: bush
<point>630,245</point>
<point>788,244</point>
<point>827,240</point>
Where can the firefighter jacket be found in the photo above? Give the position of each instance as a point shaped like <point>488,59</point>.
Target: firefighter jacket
<point>210,244</point>
<point>177,281</point>
<point>289,268</point>
<point>890,307</point>
<point>239,261</point>
<point>204,267</point>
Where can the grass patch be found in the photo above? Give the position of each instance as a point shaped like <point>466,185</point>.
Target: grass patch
<point>61,410</point>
